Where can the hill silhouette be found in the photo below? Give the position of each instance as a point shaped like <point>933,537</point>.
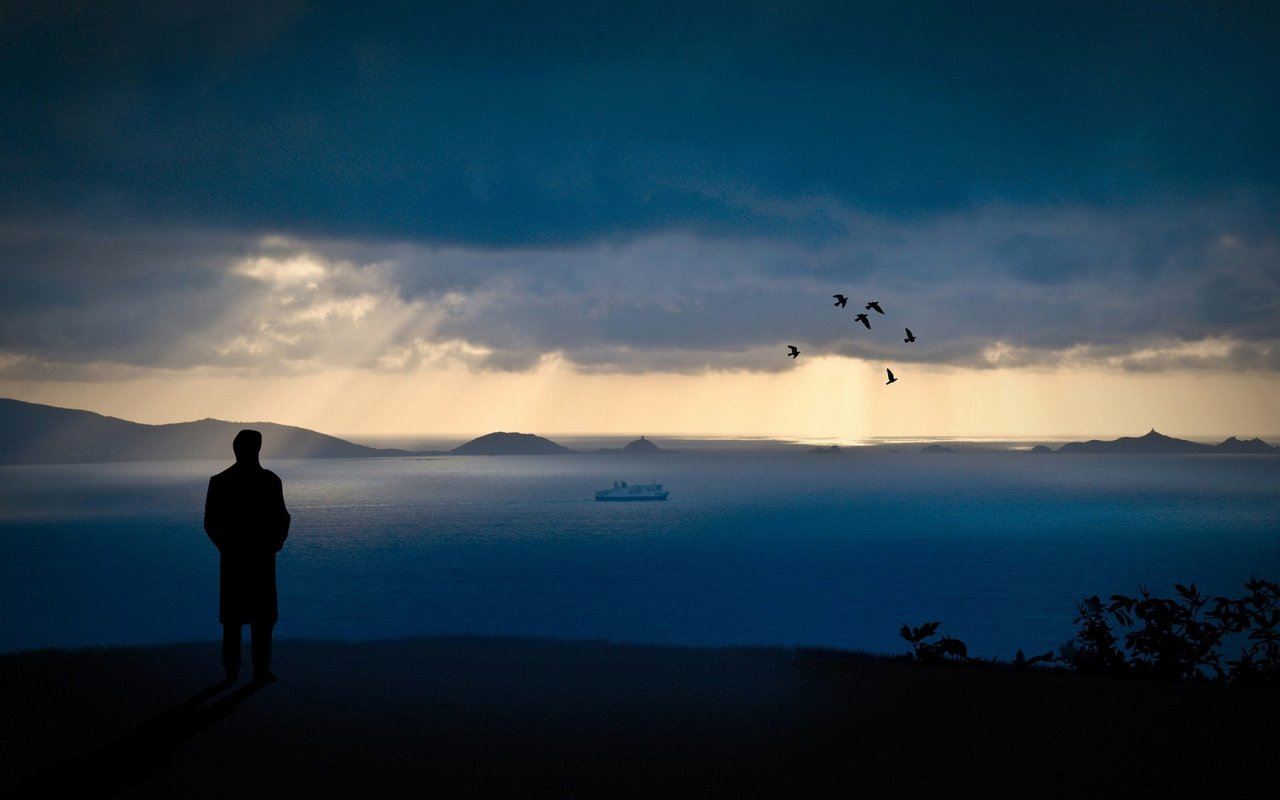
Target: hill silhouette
<point>641,445</point>
<point>635,447</point>
<point>502,443</point>
<point>1154,443</point>
<point>1253,446</point>
<point>31,433</point>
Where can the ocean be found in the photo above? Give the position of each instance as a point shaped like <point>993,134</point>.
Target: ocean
<point>754,547</point>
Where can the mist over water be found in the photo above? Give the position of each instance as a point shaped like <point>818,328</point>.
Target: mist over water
<point>770,547</point>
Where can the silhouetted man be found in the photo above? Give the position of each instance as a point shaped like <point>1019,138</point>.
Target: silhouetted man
<point>245,516</point>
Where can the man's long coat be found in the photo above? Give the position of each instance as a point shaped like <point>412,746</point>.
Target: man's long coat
<point>245,516</point>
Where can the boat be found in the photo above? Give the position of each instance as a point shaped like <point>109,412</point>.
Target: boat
<point>639,491</point>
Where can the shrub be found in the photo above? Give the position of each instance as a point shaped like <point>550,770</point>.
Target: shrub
<point>1167,638</point>
<point>1180,638</point>
<point>1093,650</point>
<point>942,651</point>
<point>1258,614</point>
<point>1172,642</point>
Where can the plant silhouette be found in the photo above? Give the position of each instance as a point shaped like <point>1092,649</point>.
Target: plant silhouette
<point>1093,650</point>
<point>945,650</point>
<point>1175,639</point>
<point>1258,614</point>
<point>1180,638</point>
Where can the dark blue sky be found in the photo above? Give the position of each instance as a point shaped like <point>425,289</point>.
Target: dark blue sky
<point>512,122</point>
<point>1031,154</point>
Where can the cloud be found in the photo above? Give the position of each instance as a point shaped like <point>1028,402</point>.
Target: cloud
<point>1134,280</point>
<point>506,125</point>
<point>636,187</point>
<point>101,301</point>
<point>1170,288</point>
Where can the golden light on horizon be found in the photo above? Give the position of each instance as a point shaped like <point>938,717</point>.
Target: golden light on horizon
<point>832,399</point>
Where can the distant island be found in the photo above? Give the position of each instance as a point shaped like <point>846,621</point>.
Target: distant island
<point>1253,446</point>
<point>509,444</point>
<point>641,445</point>
<point>1154,443</point>
<point>636,447</point>
<point>32,433</point>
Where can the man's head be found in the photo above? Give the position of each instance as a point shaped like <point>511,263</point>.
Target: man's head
<point>247,445</point>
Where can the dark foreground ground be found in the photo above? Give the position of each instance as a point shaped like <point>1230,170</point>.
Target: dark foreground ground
<point>474,717</point>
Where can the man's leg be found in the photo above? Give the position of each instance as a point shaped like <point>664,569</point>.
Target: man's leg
<point>231,651</point>
<point>262,652</point>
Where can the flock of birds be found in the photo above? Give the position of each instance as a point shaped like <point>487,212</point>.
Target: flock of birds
<point>873,305</point>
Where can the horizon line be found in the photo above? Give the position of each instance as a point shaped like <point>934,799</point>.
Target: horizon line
<point>843,440</point>
<point>801,440</point>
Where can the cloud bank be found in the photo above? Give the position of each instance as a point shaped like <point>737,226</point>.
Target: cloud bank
<point>639,187</point>
<point>1007,287</point>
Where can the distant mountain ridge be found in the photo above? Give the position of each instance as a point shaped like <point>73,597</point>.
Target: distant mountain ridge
<point>1254,445</point>
<point>31,433</point>
<point>1154,443</point>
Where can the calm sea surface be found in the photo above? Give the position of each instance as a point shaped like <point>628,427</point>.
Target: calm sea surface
<point>778,547</point>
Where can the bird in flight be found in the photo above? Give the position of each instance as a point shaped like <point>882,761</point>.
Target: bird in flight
<point>875,305</point>
<point>911,337</point>
<point>891,378</point>
<point>840,300</point>
<point>794,352</point>
<point>863,319</point>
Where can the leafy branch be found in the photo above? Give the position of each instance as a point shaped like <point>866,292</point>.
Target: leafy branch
<point>1181,638</point>
<point>942,651</point>
<point>1178,638</point>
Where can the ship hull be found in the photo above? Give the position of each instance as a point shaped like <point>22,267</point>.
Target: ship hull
<point>638,491</point>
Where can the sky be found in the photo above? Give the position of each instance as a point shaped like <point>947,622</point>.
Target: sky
<point>429,218</point>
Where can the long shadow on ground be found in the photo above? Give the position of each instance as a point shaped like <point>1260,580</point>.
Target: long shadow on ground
<point>485,717</point>
<point>139,754</point>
